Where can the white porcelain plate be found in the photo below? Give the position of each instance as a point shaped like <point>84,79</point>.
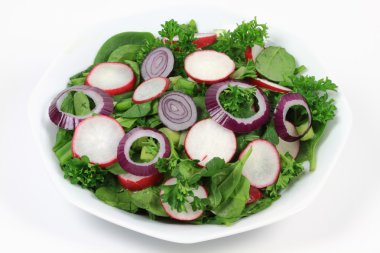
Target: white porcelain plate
<point>81,54</point>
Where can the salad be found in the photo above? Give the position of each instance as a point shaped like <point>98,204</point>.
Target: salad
<point>203,128</point>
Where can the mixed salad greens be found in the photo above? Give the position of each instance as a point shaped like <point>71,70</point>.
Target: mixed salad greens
<point>205,128</point>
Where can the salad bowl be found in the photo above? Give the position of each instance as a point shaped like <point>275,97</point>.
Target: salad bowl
<point>80,55</point>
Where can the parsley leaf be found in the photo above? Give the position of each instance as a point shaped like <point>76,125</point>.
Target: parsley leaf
<point>247,34</point>
<point>238,101</point>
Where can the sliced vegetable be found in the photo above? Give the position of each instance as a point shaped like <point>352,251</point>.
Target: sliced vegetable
<point>208,66</point>
<point>158,63</point>
<point>262,167</point>
<point>112,77</point>
<point>252,52</point>
<point>103,105</point>
<point>207,139</point>
<point>270,85</point>
<point>282,108</point>
<point>201,39</point>
<point>177,111</point>
<point>189,214</point>
<point>136,183</point>
<point>254,195</point>
<point>226,119</point>
<point>97,138</point>
<point>150,89</point>
<point>293,147</point>
<point>143,168</point>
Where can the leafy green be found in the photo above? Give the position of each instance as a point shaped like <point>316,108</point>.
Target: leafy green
<point>124,105</point>
<point>308,150</point>
<point>238,101</point>
<point>275,63</point>
<point>121,39</point>
<point>62,137</point>
<point>290,170</point>
<point>121,200</point>
<point>270,133</point>
<point>200,103</point>
<point>180,48</point>
<point>81,172</point>
<point>144,149</point>
<point>136,70</point>
<point>316,94</point>
<point>185,86</point>
<point>68,103</point>
<point>81,104</point>
<point>244,139</point>
<point>234,43</point>
<point>121,97</point>
<point>149,199</point>
<point>245,70</point>
<point>125,52</point>
<point>138,110</point>
<point>79,78</point>
<point>115,169</point>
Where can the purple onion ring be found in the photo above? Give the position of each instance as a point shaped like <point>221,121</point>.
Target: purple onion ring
<point>282,108</point>
<point>158,63</point>
<point>103,105</point>
<point>227,120</point>
<point>146,168</point>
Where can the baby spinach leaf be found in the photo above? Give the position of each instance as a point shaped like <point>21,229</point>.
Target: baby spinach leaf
<point>118,40</point>
<point>275,63</point>
<point>149,199</point>
<point>138,110</point>
<point>81,104</point>
<point>125,52</point>
<point>121,200</point>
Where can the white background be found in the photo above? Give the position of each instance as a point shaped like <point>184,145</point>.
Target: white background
<point>343,218</point>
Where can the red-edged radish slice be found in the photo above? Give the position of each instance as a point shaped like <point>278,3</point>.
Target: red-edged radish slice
<point>150,89</point>
<point>254,195</point>
<point>270,85</point>
<point>252,52</point>
<point>208,66</point>
<point>262,167</point>
<point>112,77</point>
<point>201,39</point>
<point>293,147</point>
<point>98,138</point>
<point>207,139</point>
<point>189,214</point>
<point>136,183</point>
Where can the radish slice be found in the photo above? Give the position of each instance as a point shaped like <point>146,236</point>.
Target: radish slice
<point>254,195</point>
<point>293,147</point>
<point>97,137</point>
<point>151,89</point>
<point>207,139</point>
<point>252,52</point>
<point>208,66</point>
<point>136,183</point>
<point>201,39</point>
<point>189,214</point>
<point>270,85</point>
<point>262,167</point>
<point>112,77</point>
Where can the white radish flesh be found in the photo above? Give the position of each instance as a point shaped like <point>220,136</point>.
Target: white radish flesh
<point>150,89</point>
<point>293,147</point>
<point>262,167</point>
<point>112,77</point>
<point>98,138</point>
<point>189,214</point>
<point>207,139</point>
<point>270,85</point>
<point>208,66</point>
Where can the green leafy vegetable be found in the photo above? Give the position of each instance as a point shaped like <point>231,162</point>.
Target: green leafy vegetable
<point>234,43</point>
<point>238,101</point>
<point>138,110</point>
<point>81,104</point>
<point>270,133</point>
<point>121,39</point>
<point>125,52</point>
<point>121,200</point>
<point>246,70</point>
<point>149,199</point>
<point>79,171</point>
<point>275,63</point>
<point>136,69</point>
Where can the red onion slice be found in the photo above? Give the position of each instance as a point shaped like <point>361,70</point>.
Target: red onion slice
<point>103,105</point>
<point>177,111</point>
<point>227,120</point>
<point>147,168</point>
<point>158,63</point>
<point>282,108</point>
